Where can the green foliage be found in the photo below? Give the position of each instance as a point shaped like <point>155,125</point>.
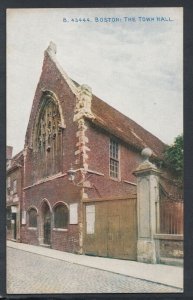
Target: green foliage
<point>174,157</point>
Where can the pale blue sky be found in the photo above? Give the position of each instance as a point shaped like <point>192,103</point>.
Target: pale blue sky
<point>134,66</point>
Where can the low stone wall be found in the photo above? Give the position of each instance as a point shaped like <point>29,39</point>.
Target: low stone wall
<point>169,246</point>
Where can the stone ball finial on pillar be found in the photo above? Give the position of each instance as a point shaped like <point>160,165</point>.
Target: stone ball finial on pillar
<point>146,153</point>
<point>146,164</point>
<point>147,209</point>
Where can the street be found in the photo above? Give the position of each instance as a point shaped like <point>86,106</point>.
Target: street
<point>29,273</point>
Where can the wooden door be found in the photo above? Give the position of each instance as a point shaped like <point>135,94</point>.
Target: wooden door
<point>114,242</point>
<point>115,229</point>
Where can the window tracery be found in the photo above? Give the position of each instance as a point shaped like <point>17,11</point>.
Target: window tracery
<point>47,138</point>
<point>49,127</point>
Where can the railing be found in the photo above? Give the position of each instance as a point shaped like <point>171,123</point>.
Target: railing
<point>171,217</point>
<point>171,207</point>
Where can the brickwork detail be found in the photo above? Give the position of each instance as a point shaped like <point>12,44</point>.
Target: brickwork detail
<point>82,110</point>
<point>83,102</point>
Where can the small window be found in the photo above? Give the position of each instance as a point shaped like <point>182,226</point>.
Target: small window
<point>114,159</point>
<point>15,186</point>
<point>32,217</point>
<point>61,216</point>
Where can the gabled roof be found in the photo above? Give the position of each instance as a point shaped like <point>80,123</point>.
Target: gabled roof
<point>112,120</point>
<point>125,128</point>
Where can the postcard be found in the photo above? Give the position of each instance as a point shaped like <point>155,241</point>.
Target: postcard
<point>94,150</point>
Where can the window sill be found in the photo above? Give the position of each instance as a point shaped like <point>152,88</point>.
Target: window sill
<point>166,236</point>
<point>60,229</point>
<point>32,228</point>
<point>115,179</point>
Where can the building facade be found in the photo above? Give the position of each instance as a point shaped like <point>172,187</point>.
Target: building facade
<point>14,194</point>
<point>78,162</point>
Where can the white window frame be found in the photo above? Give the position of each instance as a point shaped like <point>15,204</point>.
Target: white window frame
<point>114,159</point>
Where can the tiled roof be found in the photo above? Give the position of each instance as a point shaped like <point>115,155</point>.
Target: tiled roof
<point>125,128</point>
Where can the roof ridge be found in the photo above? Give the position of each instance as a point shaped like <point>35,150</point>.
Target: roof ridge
<point>122,125</point>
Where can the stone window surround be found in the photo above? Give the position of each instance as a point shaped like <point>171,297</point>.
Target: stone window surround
<point>60,204</point>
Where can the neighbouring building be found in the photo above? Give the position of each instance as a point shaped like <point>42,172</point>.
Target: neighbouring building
<point>76,182</point>
<point>14,193</point>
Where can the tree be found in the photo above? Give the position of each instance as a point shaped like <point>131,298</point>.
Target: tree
<point>174,157</point>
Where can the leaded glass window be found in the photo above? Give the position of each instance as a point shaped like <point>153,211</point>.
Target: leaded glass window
<point>114,159</point>
<point>47,139</point>
<point>32,217</point>
<point>49,127</point>
<point>61,216</point>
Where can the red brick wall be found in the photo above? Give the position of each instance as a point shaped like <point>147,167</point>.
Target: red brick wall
<point>59,189</point>
<point>98,160</point>
<point>29,236</point>
<point>52,80</point>
<point>66,241</point>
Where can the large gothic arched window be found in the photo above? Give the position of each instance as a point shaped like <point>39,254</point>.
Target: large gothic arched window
<point>49,128</point>
<point>48,137</point>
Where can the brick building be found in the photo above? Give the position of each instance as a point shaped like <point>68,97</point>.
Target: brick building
<point>78,163</point>
<point>14,193</point>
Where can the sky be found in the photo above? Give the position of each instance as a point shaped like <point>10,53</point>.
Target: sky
<point>132,58</point>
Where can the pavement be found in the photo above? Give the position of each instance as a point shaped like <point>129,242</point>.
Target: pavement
<point>157,273</point>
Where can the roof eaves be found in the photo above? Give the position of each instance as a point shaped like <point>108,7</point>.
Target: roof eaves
<point>138,147</point>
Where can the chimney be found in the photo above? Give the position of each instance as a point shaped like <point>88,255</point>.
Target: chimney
<point>9,151</point>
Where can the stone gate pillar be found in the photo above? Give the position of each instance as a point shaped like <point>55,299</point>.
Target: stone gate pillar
<point>147,203</point>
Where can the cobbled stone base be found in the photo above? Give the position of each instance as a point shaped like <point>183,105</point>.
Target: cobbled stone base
<point>29,273</point>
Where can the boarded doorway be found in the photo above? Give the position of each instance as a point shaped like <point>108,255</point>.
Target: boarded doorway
<point>110,228</point>
<point>46,224</point>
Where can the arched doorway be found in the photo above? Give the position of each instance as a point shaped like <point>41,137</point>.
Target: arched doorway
<point>46,224</point>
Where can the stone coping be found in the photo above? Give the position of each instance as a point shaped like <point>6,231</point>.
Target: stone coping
<point>172,237</point>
